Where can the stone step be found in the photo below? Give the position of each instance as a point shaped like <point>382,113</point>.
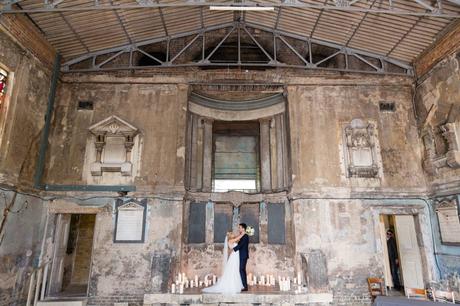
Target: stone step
<point>62,303</point>
<point>237,299</point>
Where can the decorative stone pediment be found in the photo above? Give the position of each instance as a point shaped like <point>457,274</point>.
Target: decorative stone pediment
<point>114,141</point>
<point>360,149</point>
<point>131,206</point>
<point>113,125</point>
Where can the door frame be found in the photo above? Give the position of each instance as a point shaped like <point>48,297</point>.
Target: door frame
<point>66,207</point>
<point>423,232</point>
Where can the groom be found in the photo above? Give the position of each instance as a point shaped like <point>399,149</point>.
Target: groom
<point>243,247</point>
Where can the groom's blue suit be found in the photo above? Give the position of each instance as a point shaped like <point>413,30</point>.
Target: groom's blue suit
<point>243,247</point>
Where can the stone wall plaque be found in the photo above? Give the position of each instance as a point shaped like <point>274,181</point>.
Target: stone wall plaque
<point>197,223</point>
<point>276,223</point>
<point>449,221</point>
<point>130,223</point>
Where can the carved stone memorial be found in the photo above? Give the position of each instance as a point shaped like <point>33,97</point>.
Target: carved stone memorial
<point>114,141</point>
<point>360,151</point>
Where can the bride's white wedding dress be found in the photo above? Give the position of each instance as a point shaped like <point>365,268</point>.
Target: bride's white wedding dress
<point>230,281</point>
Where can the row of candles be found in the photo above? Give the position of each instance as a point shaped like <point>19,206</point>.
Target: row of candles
<point>183,282</point>
<point>285,283</point>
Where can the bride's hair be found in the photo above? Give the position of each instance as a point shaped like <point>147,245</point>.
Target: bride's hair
<point>230,235</point>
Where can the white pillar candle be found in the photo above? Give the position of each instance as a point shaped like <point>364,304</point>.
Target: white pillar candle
<point>299,278</point>
<point>173,288</point>
<point>196,280</point>
<point>179,277</point>
<point>186,284</point>
<point>201,284</point>
<point>214,279</point>
<point>255,280</point>
<point>181,289</point>
<point>294,280</point>
<point>262,280</point>
<point>192,284</point>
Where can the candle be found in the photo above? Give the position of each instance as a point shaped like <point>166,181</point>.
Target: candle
<point>181,289</point>
<point>179,278</point>
<point>173,288</point>
<point>191,284</point>
<point>262,280</point>
<point>201,284</point>
<point>214,279</point>
<point>255,280</point>
<point>295,280</point>
<point>196,280</point>
<point>299,278</point>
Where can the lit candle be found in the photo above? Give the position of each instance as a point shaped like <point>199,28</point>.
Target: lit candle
<point>179,278</point>
<point>295,280</point>
<point>196,280</point>
<point>173,288</point>
<point>214,279</point>
<point>191,284</point>
<point>255,280</point>
<point>201,284</point>
<point>299,278</point>
<point>181,289</point>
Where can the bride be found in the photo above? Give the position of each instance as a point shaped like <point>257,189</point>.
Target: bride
<point>230,281</point>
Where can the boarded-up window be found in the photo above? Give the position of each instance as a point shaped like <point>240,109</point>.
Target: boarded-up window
<point>235,163</point>
<point>449,223</point>
<point>197,223</point>
<point>249,214</point>
<point>276,223</point>
<point>223,215</point>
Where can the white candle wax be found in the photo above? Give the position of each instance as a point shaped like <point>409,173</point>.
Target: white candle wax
<point>201,284</point>
<point>262,280</point>
<point>196,279</point>
<point>299,278</point>
<point>186,284</point>
<point>173,288</point>
<point>214,279</point>
<point>181,289</point>
<point>192,284</point>
<point>179,277</point>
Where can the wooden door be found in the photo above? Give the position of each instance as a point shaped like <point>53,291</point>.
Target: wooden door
<point>386,261</point>
<point>409,252</point>
<point>61,237</point>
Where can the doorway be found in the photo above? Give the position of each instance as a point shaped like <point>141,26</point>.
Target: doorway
<point>72,255</point>
<point>402,259</point>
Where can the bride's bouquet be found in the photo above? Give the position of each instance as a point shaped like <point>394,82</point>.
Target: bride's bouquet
<point>250,231</point>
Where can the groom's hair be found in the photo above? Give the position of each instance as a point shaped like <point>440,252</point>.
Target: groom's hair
<point>243,225</point>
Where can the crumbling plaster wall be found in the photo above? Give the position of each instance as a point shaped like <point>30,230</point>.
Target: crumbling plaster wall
<point>319,106</point>
<point>330,227</point>
<point>25,222</point>
<point>125,271</point>
<point>321,111</point>
<point>440,87</point>
<point>26,105</point>
<point>157,110</point>
<point>22,216</point>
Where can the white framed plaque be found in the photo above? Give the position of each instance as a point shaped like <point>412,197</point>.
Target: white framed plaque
<point>130,223</point>
<point>449,221</point>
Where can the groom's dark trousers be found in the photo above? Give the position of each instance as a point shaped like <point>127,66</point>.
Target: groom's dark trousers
<point>243,247</point>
